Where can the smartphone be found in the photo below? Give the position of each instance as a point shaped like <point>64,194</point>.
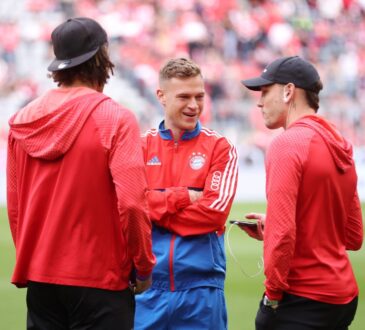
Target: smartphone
<point>248,223</point>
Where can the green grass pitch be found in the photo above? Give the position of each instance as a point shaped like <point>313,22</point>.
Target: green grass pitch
<point>242,292</point>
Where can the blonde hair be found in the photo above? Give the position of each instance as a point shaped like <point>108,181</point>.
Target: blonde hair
<point>179,68</point>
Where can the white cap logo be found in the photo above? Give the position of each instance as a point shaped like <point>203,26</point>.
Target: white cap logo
<point>64,64</point>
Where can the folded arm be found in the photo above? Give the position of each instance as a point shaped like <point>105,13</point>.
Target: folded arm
<point>189,214</point>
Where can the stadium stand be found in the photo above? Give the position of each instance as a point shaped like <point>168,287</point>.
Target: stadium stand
<point>229,39</point>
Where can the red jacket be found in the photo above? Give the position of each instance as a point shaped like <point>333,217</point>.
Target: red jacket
<point>313,214</point>
<point>76,193</point>
<point>201,160</point>
<point>188,238</point>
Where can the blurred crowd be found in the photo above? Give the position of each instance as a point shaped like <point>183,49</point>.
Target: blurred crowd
<point>230,40</point>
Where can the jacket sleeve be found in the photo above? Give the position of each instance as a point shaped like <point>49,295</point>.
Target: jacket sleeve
<point>354,226</point>
<point>169,201</point>
<point>210,212</point>
<point>127,169</point>
<point>11,188</point>
<point>283,173</point>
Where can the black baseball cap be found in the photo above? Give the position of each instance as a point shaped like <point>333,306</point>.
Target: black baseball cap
<point>76,41</point>
<point>284,70</point>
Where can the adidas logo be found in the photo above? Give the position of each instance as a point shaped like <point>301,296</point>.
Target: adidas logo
<point>154,161</point>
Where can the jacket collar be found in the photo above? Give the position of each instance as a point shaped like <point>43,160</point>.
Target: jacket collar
<point>166,133</point>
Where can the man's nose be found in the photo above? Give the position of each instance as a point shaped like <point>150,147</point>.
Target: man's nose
<point>193,103</point>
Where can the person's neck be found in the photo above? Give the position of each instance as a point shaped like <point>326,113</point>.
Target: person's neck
<point>79,83</point>
<point>295,113</point>
<point>176,133</point>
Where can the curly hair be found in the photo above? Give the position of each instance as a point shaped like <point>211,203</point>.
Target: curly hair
<point>96,71</point>
<point>312,97</point>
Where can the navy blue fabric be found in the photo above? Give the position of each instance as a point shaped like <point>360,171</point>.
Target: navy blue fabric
<point>187,135</point>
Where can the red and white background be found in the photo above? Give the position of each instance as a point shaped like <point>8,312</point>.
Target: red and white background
<point>230,40</point>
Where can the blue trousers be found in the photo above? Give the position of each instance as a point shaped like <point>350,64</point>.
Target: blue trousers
<point>198,309</point>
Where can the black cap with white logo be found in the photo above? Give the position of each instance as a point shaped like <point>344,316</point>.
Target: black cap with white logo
<point>76,41</point>
<point>286,70</point>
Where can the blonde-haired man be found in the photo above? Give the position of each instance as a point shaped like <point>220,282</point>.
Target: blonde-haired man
<point>192,176</point>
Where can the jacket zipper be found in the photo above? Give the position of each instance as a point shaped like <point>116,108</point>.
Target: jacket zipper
<point>173,237</point>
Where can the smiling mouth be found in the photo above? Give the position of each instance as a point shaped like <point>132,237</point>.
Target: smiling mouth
<point>191,115</point>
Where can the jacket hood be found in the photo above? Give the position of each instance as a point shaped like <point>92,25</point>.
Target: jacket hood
<point>50,136</point>
<point>340,148</point>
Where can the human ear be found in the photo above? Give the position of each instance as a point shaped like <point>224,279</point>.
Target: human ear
<point>286,93</point>
<point>161,96</point>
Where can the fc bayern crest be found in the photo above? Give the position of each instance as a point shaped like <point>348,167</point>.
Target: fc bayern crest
<point>197,160</point>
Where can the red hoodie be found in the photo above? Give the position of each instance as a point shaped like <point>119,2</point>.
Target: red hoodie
<point>76,186</point>
<point>313,214</point>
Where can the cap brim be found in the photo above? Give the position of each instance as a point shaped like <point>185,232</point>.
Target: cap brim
<point>58,65</point>
<point>255,84</point>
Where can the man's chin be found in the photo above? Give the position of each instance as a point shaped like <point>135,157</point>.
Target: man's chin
<point>190,127</point>
<point>270,125</point>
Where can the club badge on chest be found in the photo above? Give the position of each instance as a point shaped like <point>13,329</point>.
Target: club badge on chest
<point>197,160</point>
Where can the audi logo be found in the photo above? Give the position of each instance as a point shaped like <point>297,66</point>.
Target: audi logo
<point>216,180</point>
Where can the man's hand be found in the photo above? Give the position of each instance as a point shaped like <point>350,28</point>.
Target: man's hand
<point>141,286</point>
<point>194,195</point>
<point>257,216</point>
<point>258,231</point>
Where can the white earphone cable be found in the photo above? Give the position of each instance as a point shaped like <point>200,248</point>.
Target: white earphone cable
<point>260,263</point>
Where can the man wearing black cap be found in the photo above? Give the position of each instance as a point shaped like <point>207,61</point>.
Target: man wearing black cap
<point>76,193</point>
<point>313,209</point>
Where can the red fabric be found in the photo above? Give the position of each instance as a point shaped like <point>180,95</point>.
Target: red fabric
<point>217,178</point>
<point>313,214</point>
<point>76,195</point>
<point>49,102</point>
